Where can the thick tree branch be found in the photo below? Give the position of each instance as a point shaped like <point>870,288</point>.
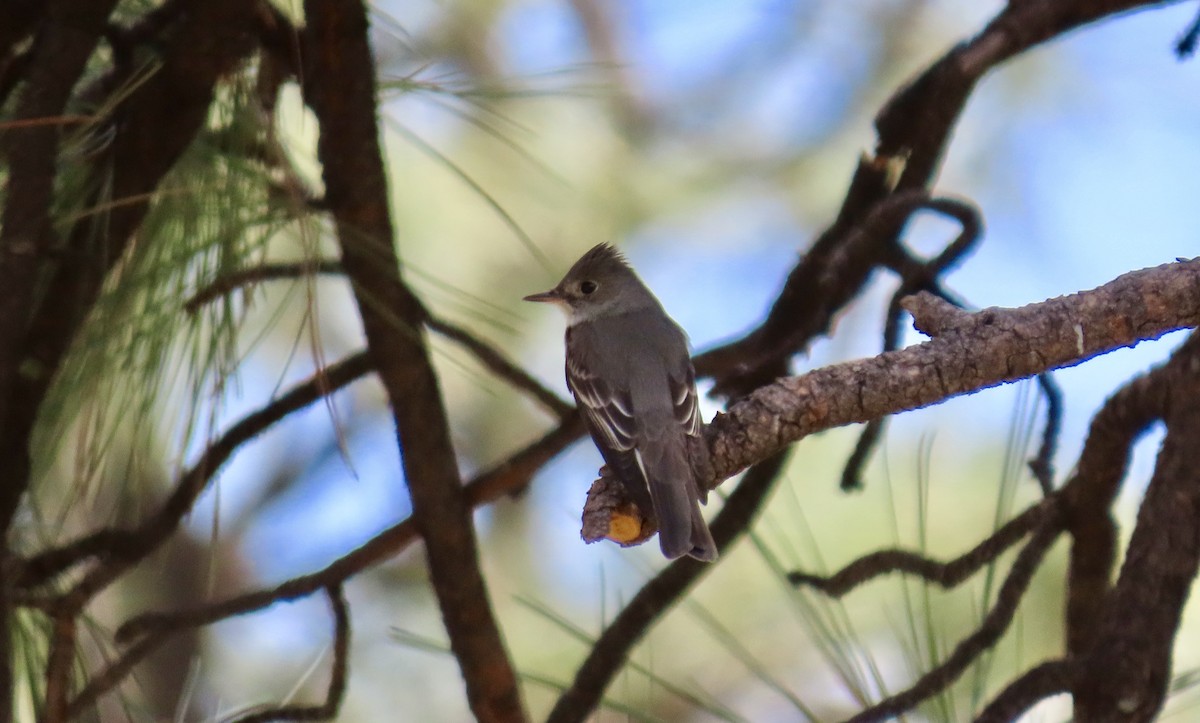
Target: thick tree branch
<point>340,88</point>
<point>1089,495</point>
<point>971,352</point>
<point>1127,668</point>
<point>1034,685</point>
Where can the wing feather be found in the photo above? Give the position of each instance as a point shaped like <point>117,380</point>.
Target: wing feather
<point>686,403</point>
<point>610,411</point>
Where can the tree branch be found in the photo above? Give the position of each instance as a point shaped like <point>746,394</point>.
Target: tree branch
<point>340,88</point>
<point>242,278</point>
<point>147,631</point>
<point>610,651</point>
<point>913,128</point>
<point>507,478</point>
<point>915,275</point>
<point>124,548</point>
<point>971,352</point>
<point>1127,668</point>
<point>969,648</point>
<point>1089,495</point>
<point>491,358</point>
<point>337,676</point>
<point>1042,465</point>
<point>946,574</point>
<point>1037,683</point>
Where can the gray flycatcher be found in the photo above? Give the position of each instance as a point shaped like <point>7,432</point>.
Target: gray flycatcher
<point>629,369</point>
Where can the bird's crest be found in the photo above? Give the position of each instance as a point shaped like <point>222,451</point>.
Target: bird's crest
<point>600,255</point>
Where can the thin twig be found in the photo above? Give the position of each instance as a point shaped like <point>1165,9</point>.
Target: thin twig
<point>328,709</point>
<point>113,674</point>
<point>945,574</point>
<point>1186,46</point>
<point>120,549</point>
<point>971,647</point>
<point>233,281</point>
<point>499,365</point>
<point>1042,466</point>
<point>491,358</point>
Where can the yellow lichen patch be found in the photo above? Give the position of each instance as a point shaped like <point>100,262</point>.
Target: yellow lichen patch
<point>624,528</point>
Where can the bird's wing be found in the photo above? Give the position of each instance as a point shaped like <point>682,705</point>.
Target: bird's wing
<point>685,403</point>
<point>609,411</point>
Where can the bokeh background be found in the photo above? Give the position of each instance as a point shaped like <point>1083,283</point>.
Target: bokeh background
<point>711,140</point>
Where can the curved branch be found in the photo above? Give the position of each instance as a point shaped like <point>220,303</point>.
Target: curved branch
<point>337,675</point>
<point>946,574</point>
<point>1042,466</point>
<point>1126,671</point>
<point>231,282</point>
<point>1089,495</point>
<point>1042,681</point>
<point>970,648</point>
<point>915,275</point>
<point>492,359</point>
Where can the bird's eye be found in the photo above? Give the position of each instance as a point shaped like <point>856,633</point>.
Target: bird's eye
<point>587,287</point>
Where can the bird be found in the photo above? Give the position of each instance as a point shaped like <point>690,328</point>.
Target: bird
<point>630,372</point>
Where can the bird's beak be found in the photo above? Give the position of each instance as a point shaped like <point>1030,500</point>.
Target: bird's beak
<point>552,296</point>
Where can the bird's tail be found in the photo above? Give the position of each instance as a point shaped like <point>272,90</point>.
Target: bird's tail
<point>681,528</point>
